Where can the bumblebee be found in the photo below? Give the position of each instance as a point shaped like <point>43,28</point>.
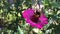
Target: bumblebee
<point>35,17</point>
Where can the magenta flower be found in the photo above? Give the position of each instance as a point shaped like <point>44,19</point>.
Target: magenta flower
<point>35,22</point>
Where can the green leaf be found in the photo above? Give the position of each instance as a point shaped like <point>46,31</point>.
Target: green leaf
<point>19,30</point>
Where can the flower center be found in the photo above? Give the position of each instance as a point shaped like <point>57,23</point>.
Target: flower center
<point>35,17</point>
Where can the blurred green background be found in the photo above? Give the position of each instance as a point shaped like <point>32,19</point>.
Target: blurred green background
<point>12,22</point>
